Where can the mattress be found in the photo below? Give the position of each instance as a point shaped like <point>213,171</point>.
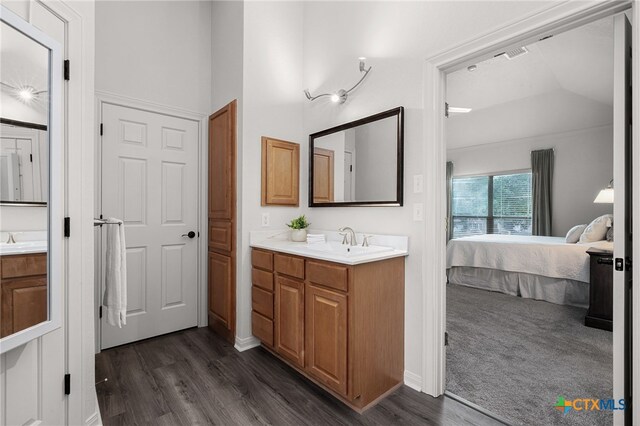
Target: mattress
<point>548,257</point>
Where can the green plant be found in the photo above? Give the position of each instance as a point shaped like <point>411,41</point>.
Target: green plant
<point>299,223</point>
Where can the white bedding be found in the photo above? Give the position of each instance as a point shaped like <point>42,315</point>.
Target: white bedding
<point>545,256</point>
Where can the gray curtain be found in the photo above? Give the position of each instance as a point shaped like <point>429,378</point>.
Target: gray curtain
<point>541,183</point>
<point>449,195</point>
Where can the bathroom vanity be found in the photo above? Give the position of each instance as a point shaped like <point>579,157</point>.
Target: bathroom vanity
<point>23,291</point>
<point>335,313</point>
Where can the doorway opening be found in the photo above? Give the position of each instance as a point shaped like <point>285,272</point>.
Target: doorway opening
<point>437,68</point>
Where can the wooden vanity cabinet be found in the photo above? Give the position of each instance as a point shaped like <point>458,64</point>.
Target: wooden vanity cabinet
<point>342,326</point>
<point>23,292</point>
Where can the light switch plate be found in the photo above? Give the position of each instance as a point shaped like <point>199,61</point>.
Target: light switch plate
<point>418,184</point>
<point>265,219</point>
<point>418,210</point>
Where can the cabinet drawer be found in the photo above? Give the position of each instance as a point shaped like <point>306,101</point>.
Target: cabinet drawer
<point>328,275</point>
<point>262,259</point>
<point>262,302</point>
<point>289,265</point>
<point>262,328</point>
<point>24,265</point>
<point>262,279</point>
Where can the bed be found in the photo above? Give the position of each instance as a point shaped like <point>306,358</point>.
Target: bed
<point>543,268</point>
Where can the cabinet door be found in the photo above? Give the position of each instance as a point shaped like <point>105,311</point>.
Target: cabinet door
<point>289,317</point>
<point>221,310</point>
<point>326,332</point>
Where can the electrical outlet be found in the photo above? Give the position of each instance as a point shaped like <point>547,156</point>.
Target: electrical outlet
<point>265,219</point>
<point>418,210</point>
<point>418,184</point>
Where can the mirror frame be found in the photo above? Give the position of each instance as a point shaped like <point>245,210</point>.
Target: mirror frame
<point>55,202</point>
<point>25,125</point>
<point>397,112</point>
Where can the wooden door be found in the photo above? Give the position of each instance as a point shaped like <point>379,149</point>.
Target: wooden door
<point>150,181</point>
<point>289,317</point>
<point>322,175</point>
<point>222,222</point>
<point>326,336</point>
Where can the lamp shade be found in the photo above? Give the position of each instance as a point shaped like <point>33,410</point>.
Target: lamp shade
<point>605,196</point>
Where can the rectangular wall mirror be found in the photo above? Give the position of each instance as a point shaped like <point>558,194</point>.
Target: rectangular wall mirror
<point>358,163</point>
<point>30,176</point>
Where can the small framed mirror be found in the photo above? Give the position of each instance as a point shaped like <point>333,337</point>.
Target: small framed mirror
<point>358,163</point>
<point>30,182</point>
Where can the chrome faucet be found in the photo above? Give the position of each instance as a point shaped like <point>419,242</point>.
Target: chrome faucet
<point>349,236</point>
<point>11,239</point>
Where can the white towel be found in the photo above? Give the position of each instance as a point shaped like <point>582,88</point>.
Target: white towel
<point>115,295</point>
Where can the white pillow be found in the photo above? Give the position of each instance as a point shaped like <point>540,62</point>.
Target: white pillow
<point>597,230</point>
<point>574,233</point>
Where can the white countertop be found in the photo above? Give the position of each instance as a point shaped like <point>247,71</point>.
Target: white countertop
<point>25,242</point>
<point>381,246</point>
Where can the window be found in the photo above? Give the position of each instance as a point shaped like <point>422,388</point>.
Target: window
<point>498,204</point>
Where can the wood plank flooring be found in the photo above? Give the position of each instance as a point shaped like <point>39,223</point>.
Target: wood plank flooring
<point>195,377</point>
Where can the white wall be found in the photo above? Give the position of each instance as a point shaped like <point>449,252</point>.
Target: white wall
<point>156,51</point>
<point>583,166</point>
<point>272,106</point>
<point>18,218</point>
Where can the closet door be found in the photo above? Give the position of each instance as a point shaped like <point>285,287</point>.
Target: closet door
<point>222,221</point>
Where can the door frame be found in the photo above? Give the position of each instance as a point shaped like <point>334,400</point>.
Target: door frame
<point>557,18</point>
<point>105,97</point>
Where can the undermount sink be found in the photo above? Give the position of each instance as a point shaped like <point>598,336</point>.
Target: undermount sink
<point>23,247</point>
<point>335,247</point>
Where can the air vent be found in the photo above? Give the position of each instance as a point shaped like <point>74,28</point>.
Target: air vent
<point>514,53</point>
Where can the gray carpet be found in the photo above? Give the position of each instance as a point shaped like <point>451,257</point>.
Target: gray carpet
<point>515,356</point>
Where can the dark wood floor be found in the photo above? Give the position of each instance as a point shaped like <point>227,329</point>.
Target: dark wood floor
<point>194,377</point>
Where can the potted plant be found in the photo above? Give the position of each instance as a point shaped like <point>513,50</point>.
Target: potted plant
<point>299,227</point>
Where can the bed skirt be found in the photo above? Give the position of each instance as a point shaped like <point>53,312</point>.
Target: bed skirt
<point>554,290</point>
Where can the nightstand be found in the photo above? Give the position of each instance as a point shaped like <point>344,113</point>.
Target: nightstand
<point>600,313</point>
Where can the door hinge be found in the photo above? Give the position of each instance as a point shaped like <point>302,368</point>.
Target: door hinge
<point>100,312</point>
<point>351,168</point>
<point>66,69</point>
<point>67,384</point>
<point>31,158</point>
<point>67,227</point>
<point>101,129</point>
<point>446,110</point>
<point>446,338</point>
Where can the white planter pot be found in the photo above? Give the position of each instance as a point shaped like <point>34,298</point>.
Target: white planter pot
<point>299,235</point>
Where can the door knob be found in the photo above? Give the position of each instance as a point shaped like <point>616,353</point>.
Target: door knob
<point>191,234</point>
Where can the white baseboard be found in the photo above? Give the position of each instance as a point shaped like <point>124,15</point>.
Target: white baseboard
<point>243,344</point>
<point>413,380</point>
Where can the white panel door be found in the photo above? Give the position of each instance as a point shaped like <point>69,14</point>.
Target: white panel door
<point>622,214</point>
<point>150,181</point>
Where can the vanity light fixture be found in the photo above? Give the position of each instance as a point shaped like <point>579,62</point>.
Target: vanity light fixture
<point>24,93</point>
<point>341,95</point>
<point>605,196</point>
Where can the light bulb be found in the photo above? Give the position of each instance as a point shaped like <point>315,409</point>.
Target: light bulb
<point>26,93</point>
<point>335,98</point>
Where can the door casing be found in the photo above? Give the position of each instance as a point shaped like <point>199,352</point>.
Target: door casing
<point>555,19</point>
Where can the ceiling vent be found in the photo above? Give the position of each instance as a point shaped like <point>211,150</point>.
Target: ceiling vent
<point>514,53</point>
